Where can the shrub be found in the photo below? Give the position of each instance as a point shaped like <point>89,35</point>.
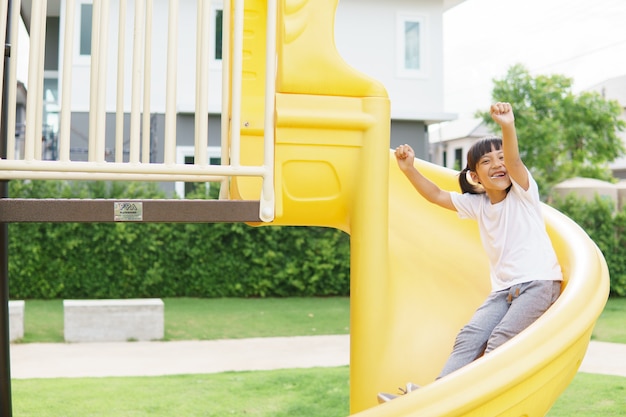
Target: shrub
<point>606,227</point>
<point>128,260</point>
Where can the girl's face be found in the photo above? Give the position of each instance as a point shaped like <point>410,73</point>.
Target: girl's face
<point>492,175</point>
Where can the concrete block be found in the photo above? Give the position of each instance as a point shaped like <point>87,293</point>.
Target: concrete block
<point>16,320</point>
<point>113,320</point>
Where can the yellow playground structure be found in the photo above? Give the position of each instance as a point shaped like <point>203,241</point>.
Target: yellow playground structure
<point>417,271</point>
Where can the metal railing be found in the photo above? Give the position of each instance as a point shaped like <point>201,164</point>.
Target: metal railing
<point>136,165</point>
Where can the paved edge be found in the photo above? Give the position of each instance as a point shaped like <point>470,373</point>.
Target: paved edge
<point>77,360</point>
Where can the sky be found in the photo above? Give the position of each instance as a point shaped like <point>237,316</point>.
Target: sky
<point>582,39</point>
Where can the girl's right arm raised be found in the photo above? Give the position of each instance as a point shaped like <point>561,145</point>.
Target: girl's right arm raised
<point>429,190</point>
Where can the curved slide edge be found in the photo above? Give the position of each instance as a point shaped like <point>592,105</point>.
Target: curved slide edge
<point>438,276</point>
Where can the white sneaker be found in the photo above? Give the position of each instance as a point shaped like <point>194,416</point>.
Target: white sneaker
<point>384,397</point>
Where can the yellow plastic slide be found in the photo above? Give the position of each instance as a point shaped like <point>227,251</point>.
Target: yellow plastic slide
<point>417,274</point>
<point>417,271</point>
<point>438,274</point>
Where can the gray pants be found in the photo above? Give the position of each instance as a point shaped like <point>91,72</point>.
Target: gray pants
<point>503,315</point>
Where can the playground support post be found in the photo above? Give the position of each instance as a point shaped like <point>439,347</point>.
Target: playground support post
<point>5,357</point>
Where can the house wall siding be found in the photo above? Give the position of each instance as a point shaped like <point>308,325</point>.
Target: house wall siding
<point>368,43</point>
<point>366,35</point>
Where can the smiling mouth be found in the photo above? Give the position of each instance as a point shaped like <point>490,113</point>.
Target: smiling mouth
<point>498,175</point>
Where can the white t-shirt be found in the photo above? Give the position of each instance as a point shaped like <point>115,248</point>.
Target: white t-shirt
<point>514,235</point>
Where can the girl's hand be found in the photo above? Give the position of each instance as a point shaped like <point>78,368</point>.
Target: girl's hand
<point>502,114</point>
<point>405,157</point>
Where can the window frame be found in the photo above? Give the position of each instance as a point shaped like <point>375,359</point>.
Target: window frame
<point>183,152</point>
<point>82,59</point>
<point>216,7</point>
<point>458,158</point>
<point>402,70</point>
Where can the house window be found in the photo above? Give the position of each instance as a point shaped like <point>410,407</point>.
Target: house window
<point>411,45</point>
<point>218,34</point>
<point>51,119</point>
<point>185,155</point>
<point>215,44</point>
<point>86,15</point>
<point>458,158</point>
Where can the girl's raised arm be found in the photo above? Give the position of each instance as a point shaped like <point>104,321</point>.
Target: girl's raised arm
<point>502,114</point>
<point>429,190</point>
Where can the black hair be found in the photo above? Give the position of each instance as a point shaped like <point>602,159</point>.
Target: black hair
<point>478,149</point>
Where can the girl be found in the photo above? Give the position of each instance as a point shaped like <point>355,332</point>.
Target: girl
<point>503,198</point>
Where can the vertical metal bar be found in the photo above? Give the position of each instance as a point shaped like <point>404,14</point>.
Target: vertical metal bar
<point>236,76</point>
<point>136,81</point>
<point>34,97</point>
<point>4,21</point>
<point>5,347</point>
<point>170,83</point>
<point>14,15</point>
<point>226,109</point>
<point>93,82</point>
<point>203,27</point>
<point>119,107</point>
<point>147,79</point>
<point>40,75</point>
<point>267,192</point>
<point>100,139</point>
<point>66,83</point>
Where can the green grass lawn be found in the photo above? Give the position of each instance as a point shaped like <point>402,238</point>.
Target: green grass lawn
<point>317,392</point>
<point>234,318</point>
<point>592,396</point>
<point>295,392</point>
<point>221,318</point>
<point>191,319</point>
<point>611,326</point>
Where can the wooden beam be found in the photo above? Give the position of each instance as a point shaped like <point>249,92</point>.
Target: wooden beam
<point>18,210</point>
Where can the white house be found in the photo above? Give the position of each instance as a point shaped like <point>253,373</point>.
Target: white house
<point>397,42</point>
<point>450,141</point>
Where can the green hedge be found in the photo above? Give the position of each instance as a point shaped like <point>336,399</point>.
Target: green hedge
<point>606,227</point>
<point>128,260</point>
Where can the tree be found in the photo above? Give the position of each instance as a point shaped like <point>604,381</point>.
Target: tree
<point>561,135</point>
